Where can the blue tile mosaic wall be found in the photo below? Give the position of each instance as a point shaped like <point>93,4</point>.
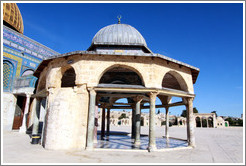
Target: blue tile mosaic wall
<point>20,54</point>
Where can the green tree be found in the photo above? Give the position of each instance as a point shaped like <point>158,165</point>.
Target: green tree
<point>215,113</point>
<point>122,116</point>
<point>184,112</point>
<point>230,121</point>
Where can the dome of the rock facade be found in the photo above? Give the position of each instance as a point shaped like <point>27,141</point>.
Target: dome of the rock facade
<point>12,17</point>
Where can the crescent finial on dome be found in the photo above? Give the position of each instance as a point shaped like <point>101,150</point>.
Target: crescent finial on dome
<point>119,17</point>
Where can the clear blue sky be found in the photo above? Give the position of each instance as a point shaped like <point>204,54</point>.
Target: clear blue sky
<point>206,35</point>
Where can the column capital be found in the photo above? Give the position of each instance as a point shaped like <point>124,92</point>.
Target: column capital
<point>92,91</point>
<point>51,90</point>
<point>107,105</point>
<point>28,95</point>
<point>190,99</point>
<point>103,105</point>
<point>138,98</point>
<point>153,95</point>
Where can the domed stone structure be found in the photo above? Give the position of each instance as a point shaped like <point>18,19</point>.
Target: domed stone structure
<point>117,65</point>
<point>12,17</point>
<point>120,36</point>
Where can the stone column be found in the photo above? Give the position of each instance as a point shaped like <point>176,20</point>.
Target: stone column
<point>96,124</point>
<point>201,121</point>
<point>133,121</point>
<point>44,122</point>
<point>214,121</point>
<point>178,122</point>
<point>167,123</point>
<point>152,144</point>
<point>24,120</point>
<point>190,120</point>
<point>207,122</point>
<point>138,100</point>
<point>91,119</point>
<point>36,114</point>
<point>108,121</point>
<point>103,124</point>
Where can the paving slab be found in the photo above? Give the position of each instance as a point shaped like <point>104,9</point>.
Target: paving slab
<point>213,145</point>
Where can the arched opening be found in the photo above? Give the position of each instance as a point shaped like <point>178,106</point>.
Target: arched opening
<point>121,75</point>
<point>198,122</point>
<point>7,75</point>
<point>173,80</point>
<point>204,122</point>
<point>27,72</point>
<point>68,78</point>
<point>210,122</point>
<point>41,83</point>
<point>142,121</point>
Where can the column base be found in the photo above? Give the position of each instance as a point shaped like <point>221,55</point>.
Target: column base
<point>89,148</point>
<point>193,146</point>
<point>137,143</point>
<point>22,129</point>
<point>152,148</point>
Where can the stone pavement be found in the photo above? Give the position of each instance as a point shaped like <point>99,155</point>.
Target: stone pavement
<point>213,145</point>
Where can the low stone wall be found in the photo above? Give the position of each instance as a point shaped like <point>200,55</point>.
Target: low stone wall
<point>66,120</point>
<point>9,102</point>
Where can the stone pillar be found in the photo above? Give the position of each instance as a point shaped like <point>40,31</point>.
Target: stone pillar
<point>214,121</point>
<point>96,124</point>
<point>167,123</point>
<point>207,122</point>
<point>91,119</point>
<point>190,125</point>
<point>24,120</point>
<point>178,119</point>
<point>108,121</point>
<point>138,100</point>
<point>133,121</point>
<point>36,114</point>
<point>152,144</point>
<point>44,121</point>
<point>103,124</point>
<point>201,121</point>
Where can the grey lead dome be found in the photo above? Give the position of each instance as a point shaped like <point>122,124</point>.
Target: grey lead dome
<point>119,34</point>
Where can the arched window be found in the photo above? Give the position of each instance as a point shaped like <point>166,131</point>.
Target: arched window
<point>68,78</point>
<point>27,72</point>
<point>121,75</point>
<point>8,70</point>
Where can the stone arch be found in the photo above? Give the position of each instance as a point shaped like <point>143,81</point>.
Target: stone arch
<point>198,121</point>
<point>54,77</point>
<point>121,66</point>
<point>41,83</point>
<point>210,122</point>
<point>68,78</point>
<point>174,80</point>
<point>8,73</point>
<point>27,72</point>
<point>204,121</point>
